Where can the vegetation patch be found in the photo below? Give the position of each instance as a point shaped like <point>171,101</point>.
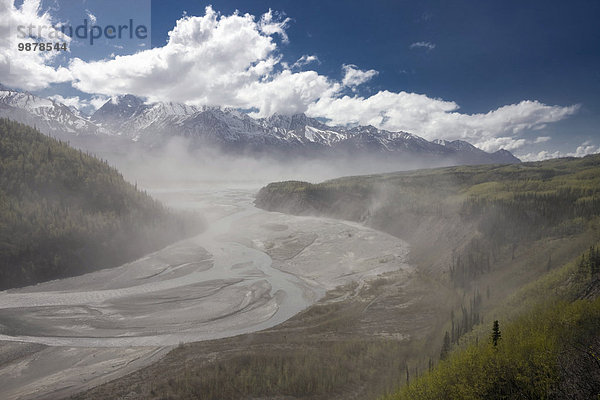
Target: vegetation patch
<point>64,212</point>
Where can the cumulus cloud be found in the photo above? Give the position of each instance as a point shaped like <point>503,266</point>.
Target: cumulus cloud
<point>271,23</point>
<point>540,156</point>
<point>504,142</point>
<point>81,104</point>
<point>68,101</point>
<point>582,150</point>
<point>585,149</point>
<point>30,70</point>
<point>385,109</point>
<point>439,119</point>
<point>212,59</point>
<point>422,45</point>
<point>509,143</point>
<point>354,76</point>
<point>286,93</point>
<point>235,60</point>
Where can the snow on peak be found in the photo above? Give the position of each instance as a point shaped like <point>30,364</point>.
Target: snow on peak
<point>327,137</point>
<point>131,117</point>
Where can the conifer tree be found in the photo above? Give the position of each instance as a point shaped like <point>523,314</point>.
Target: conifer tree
<point>496,334</point>
<point>445,346</point>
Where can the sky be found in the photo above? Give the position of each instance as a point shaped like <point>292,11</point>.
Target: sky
<point>523,76</point>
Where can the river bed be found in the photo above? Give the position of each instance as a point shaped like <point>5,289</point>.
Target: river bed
<point>248,271</point>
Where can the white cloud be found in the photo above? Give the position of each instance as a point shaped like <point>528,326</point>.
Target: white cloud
<point>269,25</point>
<point>542,139</point>
<point>540,156</point>
<point>586,149</point>
<point>439,119</point>
<point>387,110</point>
<point>582,150</point>
<point>305,60</point>
<point>91,16</point>
<point>234,60</point>
<point>509,143</point>
<point>68,101</point>
<point>497,143</point>
<point>354,76</point>
<point>422,45</point>
<point>286,93</point>
<point>97,101</point>
<point>213,59</point>
<point>84,105</point>
<point>28,70</point>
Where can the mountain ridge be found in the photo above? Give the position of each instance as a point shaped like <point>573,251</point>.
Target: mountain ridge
<point>130,119</point>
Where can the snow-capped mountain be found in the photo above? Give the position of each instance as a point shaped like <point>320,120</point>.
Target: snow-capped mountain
<point>152,124</point>
<point>118,109</point>
<point>130,119</point>
<point>49,116</point>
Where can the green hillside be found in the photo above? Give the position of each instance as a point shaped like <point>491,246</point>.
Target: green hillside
<point>63,212</point>
<point>547,345</point>
<point>515,244</point>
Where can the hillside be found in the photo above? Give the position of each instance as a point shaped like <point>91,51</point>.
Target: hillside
<point>513,243</point>
<point>545,347</point>
<point>488,242</point>
<point>64,212</point>
<point>479,211</point>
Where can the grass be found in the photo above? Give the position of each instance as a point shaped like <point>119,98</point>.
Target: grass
<point>549,346</point>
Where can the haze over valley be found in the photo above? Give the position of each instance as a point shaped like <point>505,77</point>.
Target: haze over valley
<point>299,201</point>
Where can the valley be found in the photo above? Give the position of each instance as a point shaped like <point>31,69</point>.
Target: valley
<point>249,271</point>
<point>299,200</point>
<point>276,298</point>
<point>365,341</point>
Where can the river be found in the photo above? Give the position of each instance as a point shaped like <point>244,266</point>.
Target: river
<point>248,271</point>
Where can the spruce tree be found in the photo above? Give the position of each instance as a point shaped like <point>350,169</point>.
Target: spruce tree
<point>496,334</point>
<point>445,346</point>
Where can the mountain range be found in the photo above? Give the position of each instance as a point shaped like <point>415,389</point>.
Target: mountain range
<point>130,120</point>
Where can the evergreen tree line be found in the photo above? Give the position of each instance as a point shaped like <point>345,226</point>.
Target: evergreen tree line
<point>463,323</point>
<point>64,212</point>
<point>530,216</point>
<point>548,353</point>
<point>475,260</point>
<point>590,261</point>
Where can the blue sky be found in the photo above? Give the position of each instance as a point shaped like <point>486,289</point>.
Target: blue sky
<point>442,66</point>
<point>487,53</point>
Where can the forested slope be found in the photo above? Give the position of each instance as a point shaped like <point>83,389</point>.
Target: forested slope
<point>64,212</point>
<point>517,244</point>
<point>480,214</point>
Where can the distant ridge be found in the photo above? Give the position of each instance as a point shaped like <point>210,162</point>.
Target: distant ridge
<point>130,119</point>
